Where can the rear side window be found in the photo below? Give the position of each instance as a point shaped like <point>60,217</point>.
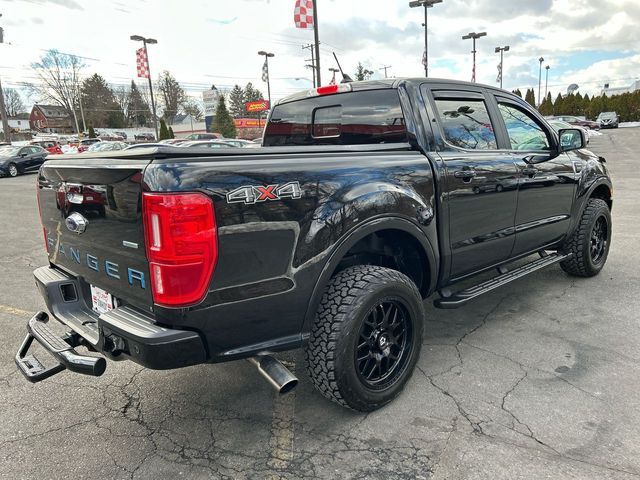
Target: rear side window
<point>367,117</point>
<point>466,124</point>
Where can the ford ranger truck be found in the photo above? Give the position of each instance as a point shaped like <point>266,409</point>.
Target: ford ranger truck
<point>366,199</point>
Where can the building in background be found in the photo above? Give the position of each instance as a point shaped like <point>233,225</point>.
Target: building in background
<point>610,92</point>
<point>50,119</point>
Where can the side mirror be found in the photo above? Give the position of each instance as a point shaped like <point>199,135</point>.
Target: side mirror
<point>571,139</point>
<point>22,155</point>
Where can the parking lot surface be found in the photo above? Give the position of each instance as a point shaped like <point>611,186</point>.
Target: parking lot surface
<point>540,379</point>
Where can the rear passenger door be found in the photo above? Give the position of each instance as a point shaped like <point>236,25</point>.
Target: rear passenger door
<point>547,180</point>
<point>481,181</point>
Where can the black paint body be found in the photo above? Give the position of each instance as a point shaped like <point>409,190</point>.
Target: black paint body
<point>276,257</point>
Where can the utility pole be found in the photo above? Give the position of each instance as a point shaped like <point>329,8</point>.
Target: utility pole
<point>427,4</point>
<point>313,61</point>
<point>267,55</point>
<point>317,41</point>
<point>385,70</point>
<point>540,82</point>
<point>3,111</point>
<point>474,36</point>
<point>546,85</point>
<point>502,50</point>
<point>150,41</point>
<point>333,78</point>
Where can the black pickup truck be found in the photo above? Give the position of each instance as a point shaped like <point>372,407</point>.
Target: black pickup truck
<point>366,199</point>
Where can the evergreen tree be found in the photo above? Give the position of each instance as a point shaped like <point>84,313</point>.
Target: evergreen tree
<point>237,101</point>
<point>517,92</point>
<point>252,95</point>
<point>223,123</point>
<point>547,105</point>
<point>92,132</point>
<point>99,103</point>
<point>362,73</point>
<point>164,131</point>
<point>557,105</point>
<point>138,111</point>
<point>171,135</point>
<point>530,97</point>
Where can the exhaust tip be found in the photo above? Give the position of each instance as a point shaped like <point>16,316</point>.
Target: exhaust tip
<point>279,376</point>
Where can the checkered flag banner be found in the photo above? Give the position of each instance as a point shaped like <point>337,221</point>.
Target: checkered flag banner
<point>142,62</point>
<point>499,73</point>
<point>303,14</point>
<point>265,71</point>
<point>424,58</point>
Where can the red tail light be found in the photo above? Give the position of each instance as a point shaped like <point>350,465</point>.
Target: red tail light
<point>182,247</point>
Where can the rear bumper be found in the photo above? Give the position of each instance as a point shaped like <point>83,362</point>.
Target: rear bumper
<point>123,332</point>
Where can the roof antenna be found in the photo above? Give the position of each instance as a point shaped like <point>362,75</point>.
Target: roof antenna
<point>345,77</point>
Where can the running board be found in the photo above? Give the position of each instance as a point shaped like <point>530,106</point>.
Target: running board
<point>460,298</point>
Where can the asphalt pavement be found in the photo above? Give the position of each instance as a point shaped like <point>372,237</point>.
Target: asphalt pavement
<point>540,379</point>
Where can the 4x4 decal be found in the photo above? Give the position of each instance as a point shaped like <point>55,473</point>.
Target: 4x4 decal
<point>251,194</point>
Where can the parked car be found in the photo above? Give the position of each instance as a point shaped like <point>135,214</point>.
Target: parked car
<point>236,142</point>
<point>145,145</point>
<point>202,136</point>
<point>111,137</point>
<point>559,125</point>
<point>581,122</point>
<point>107,146</point>
<point>15,160</point>
<point>122,134</point>
<point>208,144</point>
<point>144,137</point>
<point>51,146</point>
<point>331,241</point>
<point>608,120</point>
<point>85,143</point>
<point>172,141</point>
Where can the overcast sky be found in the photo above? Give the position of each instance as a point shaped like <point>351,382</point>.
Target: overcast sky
<point>204,42</point>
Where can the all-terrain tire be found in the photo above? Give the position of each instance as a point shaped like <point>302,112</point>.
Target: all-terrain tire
<point>351,300</point>
<point>583,262</point>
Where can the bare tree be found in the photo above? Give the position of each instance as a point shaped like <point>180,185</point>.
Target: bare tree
<point>173,95</point>
<point>121,95</point>
<point>59,75</point>
<point>194,108</point>
<point>13,102</point>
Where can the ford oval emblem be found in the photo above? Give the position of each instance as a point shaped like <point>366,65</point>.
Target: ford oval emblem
<point>76,223</point>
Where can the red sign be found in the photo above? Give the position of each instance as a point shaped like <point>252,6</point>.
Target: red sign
<point>249,122</point>
<point>259,106</point>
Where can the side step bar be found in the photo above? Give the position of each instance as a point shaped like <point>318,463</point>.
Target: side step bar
<point>460,298</point>
<point>60,348</point>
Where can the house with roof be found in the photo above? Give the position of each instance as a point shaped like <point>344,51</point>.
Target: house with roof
<point>50,119</point>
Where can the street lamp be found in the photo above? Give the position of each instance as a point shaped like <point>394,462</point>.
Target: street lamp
<point>546,85</point>
<point>145,42</point>
<point>501,50</point>
<point>474,36</point>
<point>426,4</point>
<point>267,56</point>
<point>540,82</point>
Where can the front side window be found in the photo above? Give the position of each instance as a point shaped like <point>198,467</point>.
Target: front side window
<point>466,124</point>
<point>523,131</point>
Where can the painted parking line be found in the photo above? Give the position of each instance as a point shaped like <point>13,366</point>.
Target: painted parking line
<point>16,311</point>
<point>282,429</point>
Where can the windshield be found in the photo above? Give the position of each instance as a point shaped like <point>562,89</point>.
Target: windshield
<point>8,150</point>
<point>608,115</point>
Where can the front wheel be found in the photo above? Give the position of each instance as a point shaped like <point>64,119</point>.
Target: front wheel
<point>13,170</point>
<point>366,338</point>
<point>589,244</point>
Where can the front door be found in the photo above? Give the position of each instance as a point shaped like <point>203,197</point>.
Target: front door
<point>481,184</point>
<point>547,181</point>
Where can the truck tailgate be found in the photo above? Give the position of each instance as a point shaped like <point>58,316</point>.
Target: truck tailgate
<point>91,215</point>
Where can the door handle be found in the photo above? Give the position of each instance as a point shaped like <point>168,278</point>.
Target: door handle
<point>529,171</point>
<point>464,174</point>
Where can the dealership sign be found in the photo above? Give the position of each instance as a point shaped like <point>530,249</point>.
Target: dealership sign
<point>210,100</point>
<point>249,122</point>
<point>259,106</point>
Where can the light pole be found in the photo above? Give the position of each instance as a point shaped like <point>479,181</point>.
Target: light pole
<point>474,36</point>
<point>502,50</point>
<point>3,111</point>
<point>540,82</point>
<point>333,72</point>
<point>426,4</point>
<point>267,56</point>
<point>385,68</point>
<point>149,41</point>
<point>546,84</point>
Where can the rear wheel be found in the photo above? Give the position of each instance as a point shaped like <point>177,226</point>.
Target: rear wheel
<point>366,338</point>
<point>590,242</point>
<point>13,170</point>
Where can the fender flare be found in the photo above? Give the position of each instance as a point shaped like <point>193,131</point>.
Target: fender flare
<point>584,195</point>
<point>350,239</point>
